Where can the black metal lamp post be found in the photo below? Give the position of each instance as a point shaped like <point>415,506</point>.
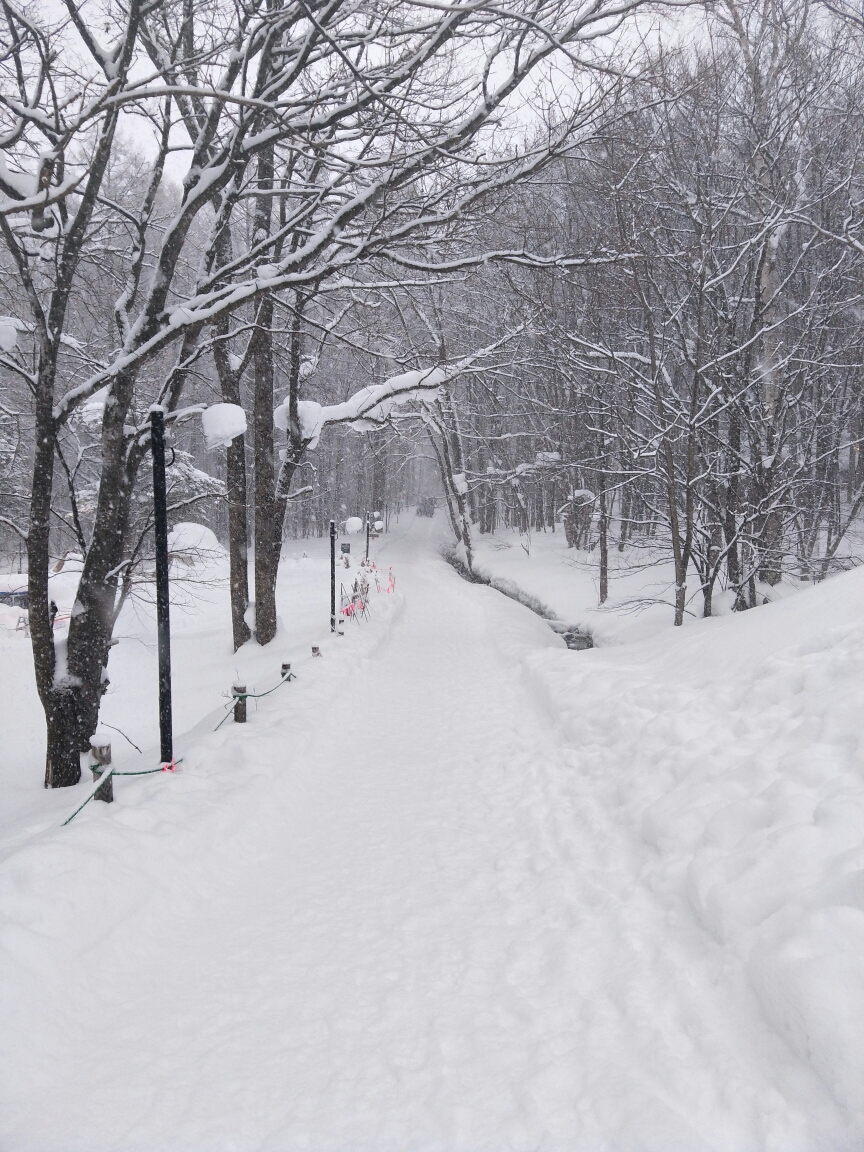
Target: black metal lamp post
<point>332,575</point>
<point>215,433</point>
<point>368,530</point>
<point>163,624</point>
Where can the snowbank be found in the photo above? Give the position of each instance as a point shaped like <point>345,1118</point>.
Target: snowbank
<point>193,547</point>
<point>735,748</point>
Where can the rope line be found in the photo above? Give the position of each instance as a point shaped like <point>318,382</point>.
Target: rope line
<point>252,696</point>
<point>108,771</point>
<point>148,771</point>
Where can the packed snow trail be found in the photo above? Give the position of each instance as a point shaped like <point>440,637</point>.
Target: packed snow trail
<point>399,911</point>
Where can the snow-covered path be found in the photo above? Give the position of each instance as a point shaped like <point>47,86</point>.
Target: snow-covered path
<point>421,922</point>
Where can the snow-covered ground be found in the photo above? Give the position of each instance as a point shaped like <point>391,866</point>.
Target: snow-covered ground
<point>456,887</point>
<point>566,581</point>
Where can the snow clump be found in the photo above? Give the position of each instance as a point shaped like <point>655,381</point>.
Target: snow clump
<point>222,423</point>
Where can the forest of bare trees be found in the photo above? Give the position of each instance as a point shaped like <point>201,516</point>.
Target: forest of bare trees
<point>602,261</point>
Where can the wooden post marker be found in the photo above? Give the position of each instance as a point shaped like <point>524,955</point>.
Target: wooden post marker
<point>100,750</point>
<point>239,694</point>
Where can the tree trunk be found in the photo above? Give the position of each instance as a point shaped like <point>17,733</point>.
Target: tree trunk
<point>626,505</point>
<point>378,445</point>
<point>71,686</point>
<point>268,519</point>
<point>235,479</point>
<point>604,548</point>
<point>771,549</point>
<point>238,540</point>
<point>268,510</point>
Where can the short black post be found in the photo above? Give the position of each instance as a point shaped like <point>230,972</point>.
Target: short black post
<point>332,575</point>
<point>368,530</point>
<point>239,694</point>
<point>101,753</point>
<point>163,624</point>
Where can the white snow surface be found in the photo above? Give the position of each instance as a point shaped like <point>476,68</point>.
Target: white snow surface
<point>455,888</point>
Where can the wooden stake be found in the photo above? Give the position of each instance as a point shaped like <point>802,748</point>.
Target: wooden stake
<point>239,692</point>
<point>101,753</point>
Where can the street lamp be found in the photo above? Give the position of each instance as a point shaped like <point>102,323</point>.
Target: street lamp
<point>220,424</point>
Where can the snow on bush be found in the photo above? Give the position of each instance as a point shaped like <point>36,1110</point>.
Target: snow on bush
<point>192,544</point>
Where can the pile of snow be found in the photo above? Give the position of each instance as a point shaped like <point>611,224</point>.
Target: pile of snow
<point>734,750</point>
<point>567,580</point>
<point>310,415</point>
<point>353,525</point>
<point>194,544</point>
<point>11,618</point>
<point>222,423</point>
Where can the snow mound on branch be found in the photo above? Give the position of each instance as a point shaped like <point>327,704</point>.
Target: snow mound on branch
<point>193,544</point>
<point>370,407</point>
<point>311,419</point>
<point>222,423</point>
<point>93,410</point>
<point>366,409</point>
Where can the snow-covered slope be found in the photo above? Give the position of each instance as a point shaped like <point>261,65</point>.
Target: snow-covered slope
<point>458,888</point>
<point>736,746</point>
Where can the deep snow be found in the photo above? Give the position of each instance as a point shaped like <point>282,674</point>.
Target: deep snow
<point>456,887</point>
